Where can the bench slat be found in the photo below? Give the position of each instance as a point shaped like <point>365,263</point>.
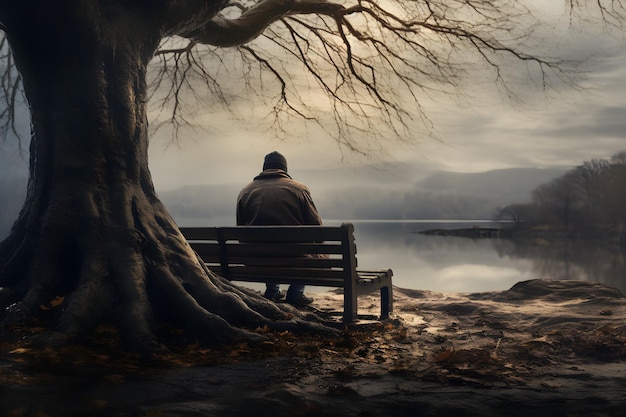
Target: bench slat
<point>287,262</point>
<point>290,279</point>
<point>199,233</point>
<point>278,273</point>
<point>211,250</point>
<point>363,284</point>
<point>267,233</point>
<point>287,274</point>
<point>317,281</point>
<point>314,281</point>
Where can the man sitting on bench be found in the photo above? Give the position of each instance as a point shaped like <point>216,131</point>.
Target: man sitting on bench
<point>273,198</point>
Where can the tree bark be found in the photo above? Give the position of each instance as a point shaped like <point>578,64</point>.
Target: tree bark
<point>92,230</point>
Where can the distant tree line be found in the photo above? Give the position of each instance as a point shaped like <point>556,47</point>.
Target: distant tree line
<point>587,201</point>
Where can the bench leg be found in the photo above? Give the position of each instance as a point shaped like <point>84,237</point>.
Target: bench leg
<point>350,306</point>
<point>386,301</point>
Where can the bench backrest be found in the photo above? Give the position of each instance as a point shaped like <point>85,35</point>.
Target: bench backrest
<point>312,255</point>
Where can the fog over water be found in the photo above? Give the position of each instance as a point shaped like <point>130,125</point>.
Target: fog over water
<point>456,264</point>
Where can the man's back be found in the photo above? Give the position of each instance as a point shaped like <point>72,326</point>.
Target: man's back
<point>274,198</point>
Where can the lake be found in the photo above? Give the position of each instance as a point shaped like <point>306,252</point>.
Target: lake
<point>455,264</point>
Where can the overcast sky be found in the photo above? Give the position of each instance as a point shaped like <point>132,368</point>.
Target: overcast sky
<point>480,132</point>
<point>556,131</point>
<point>560,130</point>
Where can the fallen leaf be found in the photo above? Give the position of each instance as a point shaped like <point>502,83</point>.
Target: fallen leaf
<point>19,412</point>
<point>57,301</point>
<point>115,378</point>
<point>445,355</point>
<point>548,384</point>
<point>153,413</point>
<point>100,403</point>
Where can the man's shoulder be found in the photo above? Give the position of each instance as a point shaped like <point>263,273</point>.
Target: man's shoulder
<point>293,183</point>
<point>272,174</point>
<point>276,178</point>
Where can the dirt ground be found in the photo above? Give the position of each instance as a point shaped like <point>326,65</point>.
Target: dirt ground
<point>542,348</point>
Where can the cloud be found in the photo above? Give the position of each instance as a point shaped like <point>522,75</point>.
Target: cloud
<point>551,131</point>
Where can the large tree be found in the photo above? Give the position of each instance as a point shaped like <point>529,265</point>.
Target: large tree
<point>93,233</point>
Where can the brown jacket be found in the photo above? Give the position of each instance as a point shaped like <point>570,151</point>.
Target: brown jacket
<point>274,198</point>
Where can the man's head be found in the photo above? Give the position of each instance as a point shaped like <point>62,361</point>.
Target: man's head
<point>275,160</point>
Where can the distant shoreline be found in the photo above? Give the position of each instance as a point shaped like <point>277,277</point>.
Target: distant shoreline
<point>475,232</point>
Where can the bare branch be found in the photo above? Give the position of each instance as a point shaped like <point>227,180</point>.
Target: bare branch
<point>11,93</point>
<point>179,76</point>
<point>360,56</point>
<point>225,32</point>
<point>611,12</point>
<point>362,68</point>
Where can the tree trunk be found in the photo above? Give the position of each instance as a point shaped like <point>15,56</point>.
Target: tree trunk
<point>92,230</point>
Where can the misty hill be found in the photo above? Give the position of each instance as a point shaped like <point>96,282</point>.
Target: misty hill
<point>391,175</point>
<point>512,185</point>
<point>449,195</point>
<point>381,192</point>
<point>389,193</point>
<point>202,201</point>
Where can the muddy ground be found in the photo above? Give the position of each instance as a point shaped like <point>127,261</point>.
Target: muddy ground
<point>542,348</point>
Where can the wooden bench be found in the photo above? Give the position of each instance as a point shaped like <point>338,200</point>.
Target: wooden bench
<point>276,254</point>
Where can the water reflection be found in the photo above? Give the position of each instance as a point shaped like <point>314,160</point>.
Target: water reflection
<point>451,264</point>
<point>592,261</point>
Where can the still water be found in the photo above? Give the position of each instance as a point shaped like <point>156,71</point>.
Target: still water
<point>455,264</point>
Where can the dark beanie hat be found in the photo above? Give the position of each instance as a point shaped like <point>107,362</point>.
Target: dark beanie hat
<point>275,160</point>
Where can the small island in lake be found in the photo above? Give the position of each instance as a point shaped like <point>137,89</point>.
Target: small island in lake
<point>475,232</point>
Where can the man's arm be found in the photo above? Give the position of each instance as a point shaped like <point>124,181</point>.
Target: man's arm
<point>241,219</point>
<point>309,211</point>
